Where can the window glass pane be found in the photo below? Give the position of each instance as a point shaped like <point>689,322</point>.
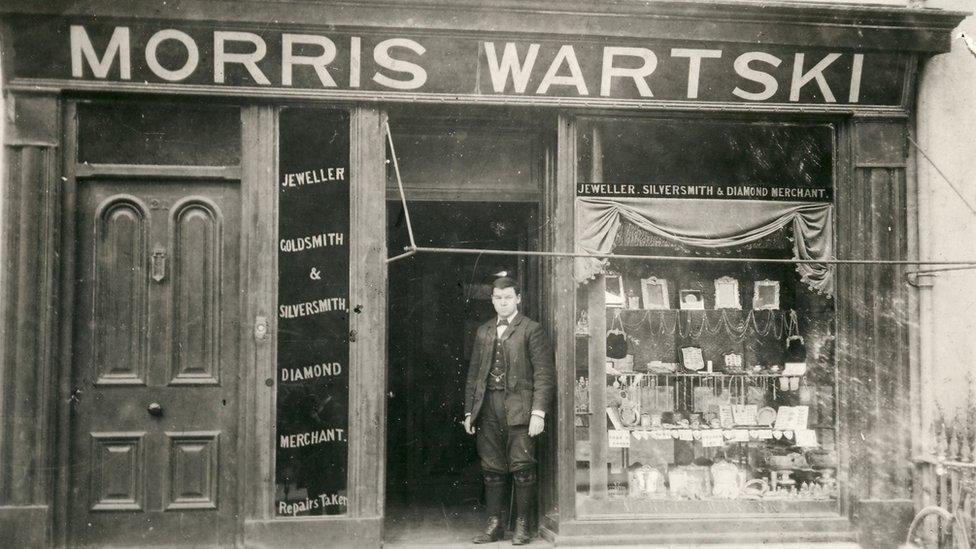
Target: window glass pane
<point>704,383</point>
<point>159,133</point>
<point>692,152</point>
<point>468,153</point>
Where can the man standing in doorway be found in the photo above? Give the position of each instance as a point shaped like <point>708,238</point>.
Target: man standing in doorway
<point>510,385</point>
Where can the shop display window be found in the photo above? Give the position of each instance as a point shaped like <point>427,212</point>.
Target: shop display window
<point>704,380</point>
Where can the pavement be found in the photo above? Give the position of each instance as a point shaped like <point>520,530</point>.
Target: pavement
<point>542,544</point>
<point>442,526</point>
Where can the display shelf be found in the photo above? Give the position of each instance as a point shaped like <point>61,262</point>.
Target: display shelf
<point>682,433</point>
<point>705,376</point>
<point>733,428</point>
<point>619,505</point>
<point>736,323</point>
<point>817,427</point>
<point>725,309</point>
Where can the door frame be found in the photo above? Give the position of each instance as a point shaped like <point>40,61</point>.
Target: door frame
<point>545,291</point>
<point>72,172</point>
<point>529,268</point>
<point>362,522</point>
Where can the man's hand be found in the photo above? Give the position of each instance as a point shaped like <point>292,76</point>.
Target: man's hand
<point>468,428</point>
<point>536,424</point>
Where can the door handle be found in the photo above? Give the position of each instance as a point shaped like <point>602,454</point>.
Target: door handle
<point>155,409</point>
<point>159,264</point>
<point>260,328</point>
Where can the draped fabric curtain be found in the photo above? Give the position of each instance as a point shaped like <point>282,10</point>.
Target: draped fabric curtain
<point>708,224</point>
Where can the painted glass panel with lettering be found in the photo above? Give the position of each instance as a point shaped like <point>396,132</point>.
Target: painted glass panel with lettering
<point>311,438</point>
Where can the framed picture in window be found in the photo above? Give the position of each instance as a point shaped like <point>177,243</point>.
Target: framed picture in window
<point>727,293</point>
<point>691,299</point>
<point>615,290</point>
<point>765,295</point>
<point>654,292</point>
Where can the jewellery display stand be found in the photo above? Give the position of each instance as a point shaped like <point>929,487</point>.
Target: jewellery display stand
<point>708,408</point>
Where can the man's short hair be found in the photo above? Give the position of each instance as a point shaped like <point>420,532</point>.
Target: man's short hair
<point>506,282</point>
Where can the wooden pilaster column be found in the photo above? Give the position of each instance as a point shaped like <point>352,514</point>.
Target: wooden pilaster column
<point>259,283</point>
<point>873,321</point>
<point>563,301</point>
<point>29,333</point>
<point>367,300</point>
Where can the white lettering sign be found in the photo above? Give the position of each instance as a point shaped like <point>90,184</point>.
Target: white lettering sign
<point>815,73</point>
<point>567,56</point>
<point>248,60</point>
<point>533,67</point>
<point>314,371</point>
<point>694,65</point>
<point>510,65</point>
<point>743,69</point>
<point>381,54</point>
<point>118,46</point>
<point>318,62</point>
<point>639,75</point>
<point>314,437</point>
<point>192,55</point>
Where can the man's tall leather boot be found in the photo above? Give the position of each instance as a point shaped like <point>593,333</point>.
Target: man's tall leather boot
<point>524,492</point>
<point>494,501</point>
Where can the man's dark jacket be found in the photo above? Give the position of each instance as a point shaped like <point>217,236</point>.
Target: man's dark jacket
<point>531,380</point>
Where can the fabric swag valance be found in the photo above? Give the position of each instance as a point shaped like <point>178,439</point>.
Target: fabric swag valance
<point>708,224</point>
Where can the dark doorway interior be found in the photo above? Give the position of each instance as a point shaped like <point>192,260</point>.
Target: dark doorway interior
<point>436,302</point>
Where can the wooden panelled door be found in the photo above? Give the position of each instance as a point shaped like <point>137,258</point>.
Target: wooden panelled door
<point>155,369</point>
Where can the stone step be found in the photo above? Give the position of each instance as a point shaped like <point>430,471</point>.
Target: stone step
<point>825,540</point>
<point>737,545</point>
<point>770,526</point>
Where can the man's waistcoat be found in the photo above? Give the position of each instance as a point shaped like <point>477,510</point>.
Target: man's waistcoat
<point>530,370</point>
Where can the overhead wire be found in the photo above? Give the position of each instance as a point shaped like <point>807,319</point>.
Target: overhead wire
<point>962,197</point>
<point>488,251</point>
<point>944,176</point>
<point>940,270</point>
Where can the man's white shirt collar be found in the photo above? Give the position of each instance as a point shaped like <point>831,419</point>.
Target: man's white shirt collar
<point>509,319</point>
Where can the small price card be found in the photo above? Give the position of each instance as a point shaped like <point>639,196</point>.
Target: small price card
<point>792,418</point>
<point>785,418</point>
<point>725,415</point>
<point>745,415</point>
<point>660,435</point>
<point>692,358</point>
<point>614,418</point>
<point>712,438</point>
<point>619,438</point>
<point>685,434</point>
<point>794,369</point>
<point>802,417</point>
<point>806,438</point>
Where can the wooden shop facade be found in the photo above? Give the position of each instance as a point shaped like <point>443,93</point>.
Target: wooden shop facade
<point>202,341</point>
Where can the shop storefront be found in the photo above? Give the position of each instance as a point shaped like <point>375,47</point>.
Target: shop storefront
<point>199,208</point>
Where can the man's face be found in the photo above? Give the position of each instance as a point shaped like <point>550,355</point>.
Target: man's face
<point>505,301</point>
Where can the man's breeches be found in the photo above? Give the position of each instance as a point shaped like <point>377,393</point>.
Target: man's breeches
<point>502,448</point>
